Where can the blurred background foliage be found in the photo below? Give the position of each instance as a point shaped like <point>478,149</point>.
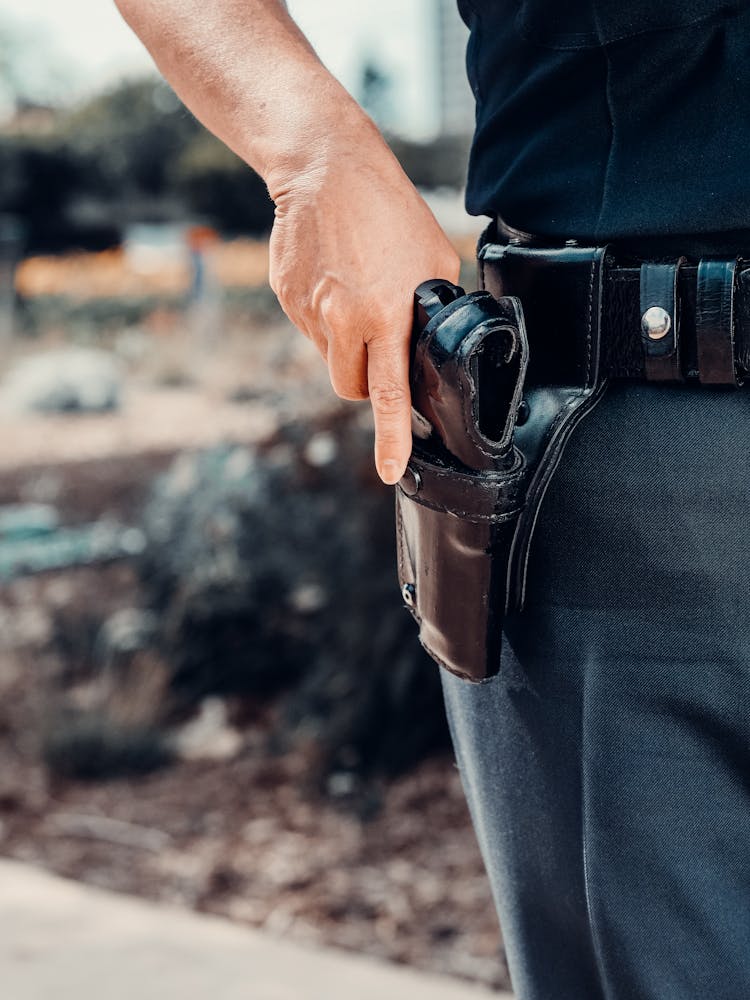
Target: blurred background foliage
<point>201,630</point>
<point>78,178</point>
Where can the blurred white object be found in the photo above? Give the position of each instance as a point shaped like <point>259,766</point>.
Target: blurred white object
<point>448,208</point>
<point>149,246</point>
<point>321,449</point>
<point>208,736</point>
<point>72,378</point>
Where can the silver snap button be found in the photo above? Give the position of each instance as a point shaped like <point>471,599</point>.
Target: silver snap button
<point>410,481</point>
<point>408,592</point>
<point>656,322</point>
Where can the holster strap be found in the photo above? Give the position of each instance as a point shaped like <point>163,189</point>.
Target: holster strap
<point>660,320</point>
<point>474,496</point>
<point>715,321</point>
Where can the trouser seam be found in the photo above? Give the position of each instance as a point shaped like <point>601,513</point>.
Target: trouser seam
<point>595,937</point>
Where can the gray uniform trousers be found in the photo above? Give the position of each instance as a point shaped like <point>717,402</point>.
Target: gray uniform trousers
<point>607,765</point>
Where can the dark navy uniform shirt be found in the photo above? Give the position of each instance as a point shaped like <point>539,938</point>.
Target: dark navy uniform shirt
<point>607,118</point>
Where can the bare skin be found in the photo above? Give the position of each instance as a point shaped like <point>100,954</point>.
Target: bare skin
<point>352,237</point>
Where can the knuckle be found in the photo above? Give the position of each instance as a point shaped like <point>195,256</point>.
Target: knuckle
<point>346,391</point>
<point>347,385</point>
<point>334,313</point>
<point>279,286</point>
<point>351,395</point>
<point>388,444</point>
<point>378,322</point>
<point>389,397</point>
<point>282,281</point>
<point>340,314</point>
<point>293,306</point>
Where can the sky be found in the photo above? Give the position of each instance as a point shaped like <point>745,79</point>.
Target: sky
<point>88,44</point>
<point>86,38</point>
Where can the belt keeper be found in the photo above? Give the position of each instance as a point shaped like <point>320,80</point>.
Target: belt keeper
<point>714,321</point>
<point>660,320</point>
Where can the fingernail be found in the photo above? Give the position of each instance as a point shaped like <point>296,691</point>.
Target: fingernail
<point>389,471</point>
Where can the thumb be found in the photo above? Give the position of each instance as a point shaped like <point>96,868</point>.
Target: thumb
<point>388,385</point>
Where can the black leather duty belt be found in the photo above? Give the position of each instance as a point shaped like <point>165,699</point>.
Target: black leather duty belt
<point>676,320</point>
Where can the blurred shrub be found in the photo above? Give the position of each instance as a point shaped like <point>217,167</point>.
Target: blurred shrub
<point>127,139</point>
<point>218,185</point>
<point>136,154</point>
<point>132,154</point>
<point>40,177</point>
<point>92,748</point>
<point>271,570</point>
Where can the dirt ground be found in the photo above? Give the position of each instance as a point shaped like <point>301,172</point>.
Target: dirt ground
<point>249,834</point>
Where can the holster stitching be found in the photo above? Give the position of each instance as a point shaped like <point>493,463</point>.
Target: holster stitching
<point>468,515</point>
<point>589,322</point>
<point>551,454</point>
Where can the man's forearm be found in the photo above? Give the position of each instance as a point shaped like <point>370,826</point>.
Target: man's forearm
<point>249,74</point>
<point>352,237</point>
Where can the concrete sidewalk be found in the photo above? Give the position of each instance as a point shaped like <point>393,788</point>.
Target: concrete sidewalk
<point>63,940</point>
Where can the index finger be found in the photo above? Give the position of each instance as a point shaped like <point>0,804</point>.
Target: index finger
<point>388,386</point>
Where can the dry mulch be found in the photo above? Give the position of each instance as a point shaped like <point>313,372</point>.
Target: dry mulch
<point>390,869</point>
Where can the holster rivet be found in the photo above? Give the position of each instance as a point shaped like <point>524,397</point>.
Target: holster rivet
<point>656,322</point>
<point>410,481</point>
<point>408,592</point>
<point>522,414</point>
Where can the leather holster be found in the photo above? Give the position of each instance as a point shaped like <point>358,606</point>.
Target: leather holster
<point>499,379</point>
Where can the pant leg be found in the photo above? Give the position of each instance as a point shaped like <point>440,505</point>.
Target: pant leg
<point>607,765</point>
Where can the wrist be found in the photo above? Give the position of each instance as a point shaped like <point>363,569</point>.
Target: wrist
<point>318,132</point>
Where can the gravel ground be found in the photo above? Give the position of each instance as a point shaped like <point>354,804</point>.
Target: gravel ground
<point>392,870</point>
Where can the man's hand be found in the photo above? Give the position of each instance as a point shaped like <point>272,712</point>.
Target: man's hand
<point>351,241</point>
<point>352,237</point>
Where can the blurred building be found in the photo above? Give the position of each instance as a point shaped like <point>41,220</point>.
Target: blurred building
<point>30,118</point>
<point>456,98</point>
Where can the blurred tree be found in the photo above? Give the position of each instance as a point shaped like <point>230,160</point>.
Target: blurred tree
<point>136,154</point>
<point>38,180</point>
<point>133,153</point>
<point>127,138</point>
<point>31,74</point>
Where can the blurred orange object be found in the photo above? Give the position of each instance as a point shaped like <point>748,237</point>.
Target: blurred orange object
<point>201,237</point>
<point>108,274</point>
